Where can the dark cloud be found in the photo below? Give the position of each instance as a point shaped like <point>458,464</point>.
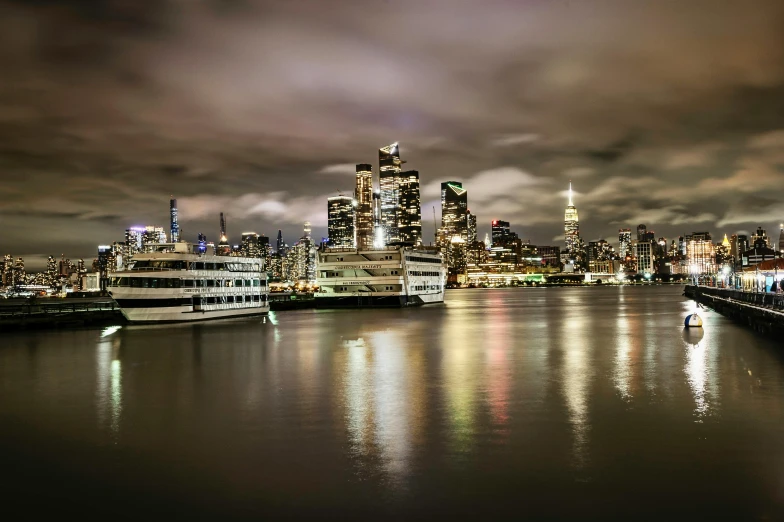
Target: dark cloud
<point>669,113</point>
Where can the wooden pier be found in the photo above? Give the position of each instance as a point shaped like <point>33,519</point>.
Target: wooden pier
<point>762,312</point>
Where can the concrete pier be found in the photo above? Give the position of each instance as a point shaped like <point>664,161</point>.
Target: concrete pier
<point>762,312</point>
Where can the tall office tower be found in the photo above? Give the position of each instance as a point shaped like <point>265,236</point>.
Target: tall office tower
<point>454,211</point>
<point>389,168</point>
<point>249,245</point>
<point>572,227</point>
<point>471,219</point>
<point>279,244</point>
<point>51,268</point>
<point>410,221</point>
<point>644,254</point>
<point>19,274</point>
<point>224,248</point>
<point>175,226</point>
<point>306,229</point>
<point>500,230</point>
<point>363,212</point>
<point>760,239</point>
<point>378,229</point>
<point>340,221</point>
<point>153,236</point>
<point>624,242</point>
<point>781,238</point>
<point>642,232</point>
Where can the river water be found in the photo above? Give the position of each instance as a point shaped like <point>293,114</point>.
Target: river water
<point>582,403</point>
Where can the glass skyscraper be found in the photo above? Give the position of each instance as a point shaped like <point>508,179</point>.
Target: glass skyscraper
<point>340,221</point>
<point>363,212</point>
<point>410,220</point>
<point>389,167</point>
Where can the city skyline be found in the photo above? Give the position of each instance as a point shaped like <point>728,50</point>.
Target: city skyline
<point>101,124</point>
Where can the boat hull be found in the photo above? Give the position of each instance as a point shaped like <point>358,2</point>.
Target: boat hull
<point>370,301</point>
<point>181,314</point>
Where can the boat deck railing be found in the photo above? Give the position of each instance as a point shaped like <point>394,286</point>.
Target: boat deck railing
<point>769,300</point>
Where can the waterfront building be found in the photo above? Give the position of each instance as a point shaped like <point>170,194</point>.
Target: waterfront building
<point>174,223</point>
<point>142,239</point>
<point>389,167</point>
<point>340,221</point>
<point>598,251</point>
<point>363,212</point>
<point>624,242</point>
<point>410,220</point>
<point>757,255</point>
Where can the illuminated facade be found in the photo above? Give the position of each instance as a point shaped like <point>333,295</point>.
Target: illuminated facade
<point>471,218</point>
<point>340,221</point>
<point>781,238</point>
<point>410,217</point>
<point>645,257</point>
<point>175,225</point>
<point>249,245</point>
<point>389,166</point>
<point>700,253</point>
<point>760,239</point>
<point>454,211</point>
<point>363,212</point>
<point>624,242</point>
<point>572,230</point>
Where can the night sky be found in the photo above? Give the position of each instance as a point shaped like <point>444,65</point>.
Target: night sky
<point>661,112</point>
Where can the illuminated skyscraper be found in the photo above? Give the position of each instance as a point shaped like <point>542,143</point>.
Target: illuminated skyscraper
<point>454,211</point>
<point>760,239</point>
<point>250,244</point>
<point>624,242</point>
<point>572,228</point>
<point>642,233</point>
<point>175,226</point>
<point>280,246</point>
<point>471,223</point>
<point>500,230</point>
<point>340,221</point>
<point>389,166</point>
<point>363,212</point>
<point>410,218</point>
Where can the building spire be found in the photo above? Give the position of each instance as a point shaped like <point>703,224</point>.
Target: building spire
<point>570,194</point>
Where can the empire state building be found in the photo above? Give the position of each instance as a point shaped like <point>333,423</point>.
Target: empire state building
<point>571,227</point>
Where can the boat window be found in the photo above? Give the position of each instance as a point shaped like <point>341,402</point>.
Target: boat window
<point>220,266</point>
<point>145,282</point>
<point>154,283</point>
<point>136,282</point>
<point>210,283</point>
<point>210,300</point>
<point>188,283</point>
<point>256,282</point>
<point>230,299</point>
<point>238,283</point>
<point>198,265</point>
<point>263,282</point>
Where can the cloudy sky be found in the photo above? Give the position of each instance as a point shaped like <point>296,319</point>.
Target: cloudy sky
<point>662,112</point>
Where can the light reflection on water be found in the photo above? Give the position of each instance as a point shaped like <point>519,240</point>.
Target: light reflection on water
<point>494,390</point>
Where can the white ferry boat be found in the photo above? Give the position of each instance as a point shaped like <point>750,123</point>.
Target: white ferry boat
<point>177,285</point>
<point>395,276</point>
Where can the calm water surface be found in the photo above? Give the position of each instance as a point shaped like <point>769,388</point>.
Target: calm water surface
<point>542,403</point>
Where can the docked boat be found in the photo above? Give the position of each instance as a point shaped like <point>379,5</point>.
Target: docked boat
<point>394,276</point>
<point>177,284</point>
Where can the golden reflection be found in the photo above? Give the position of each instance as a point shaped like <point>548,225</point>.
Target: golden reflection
<point>499,372</point>
<point>576,379</point>
<point>384,410</point>
<point>460,382</point>
<point>109,383</point>
<point>698,369</point>
<point>627,353</point>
